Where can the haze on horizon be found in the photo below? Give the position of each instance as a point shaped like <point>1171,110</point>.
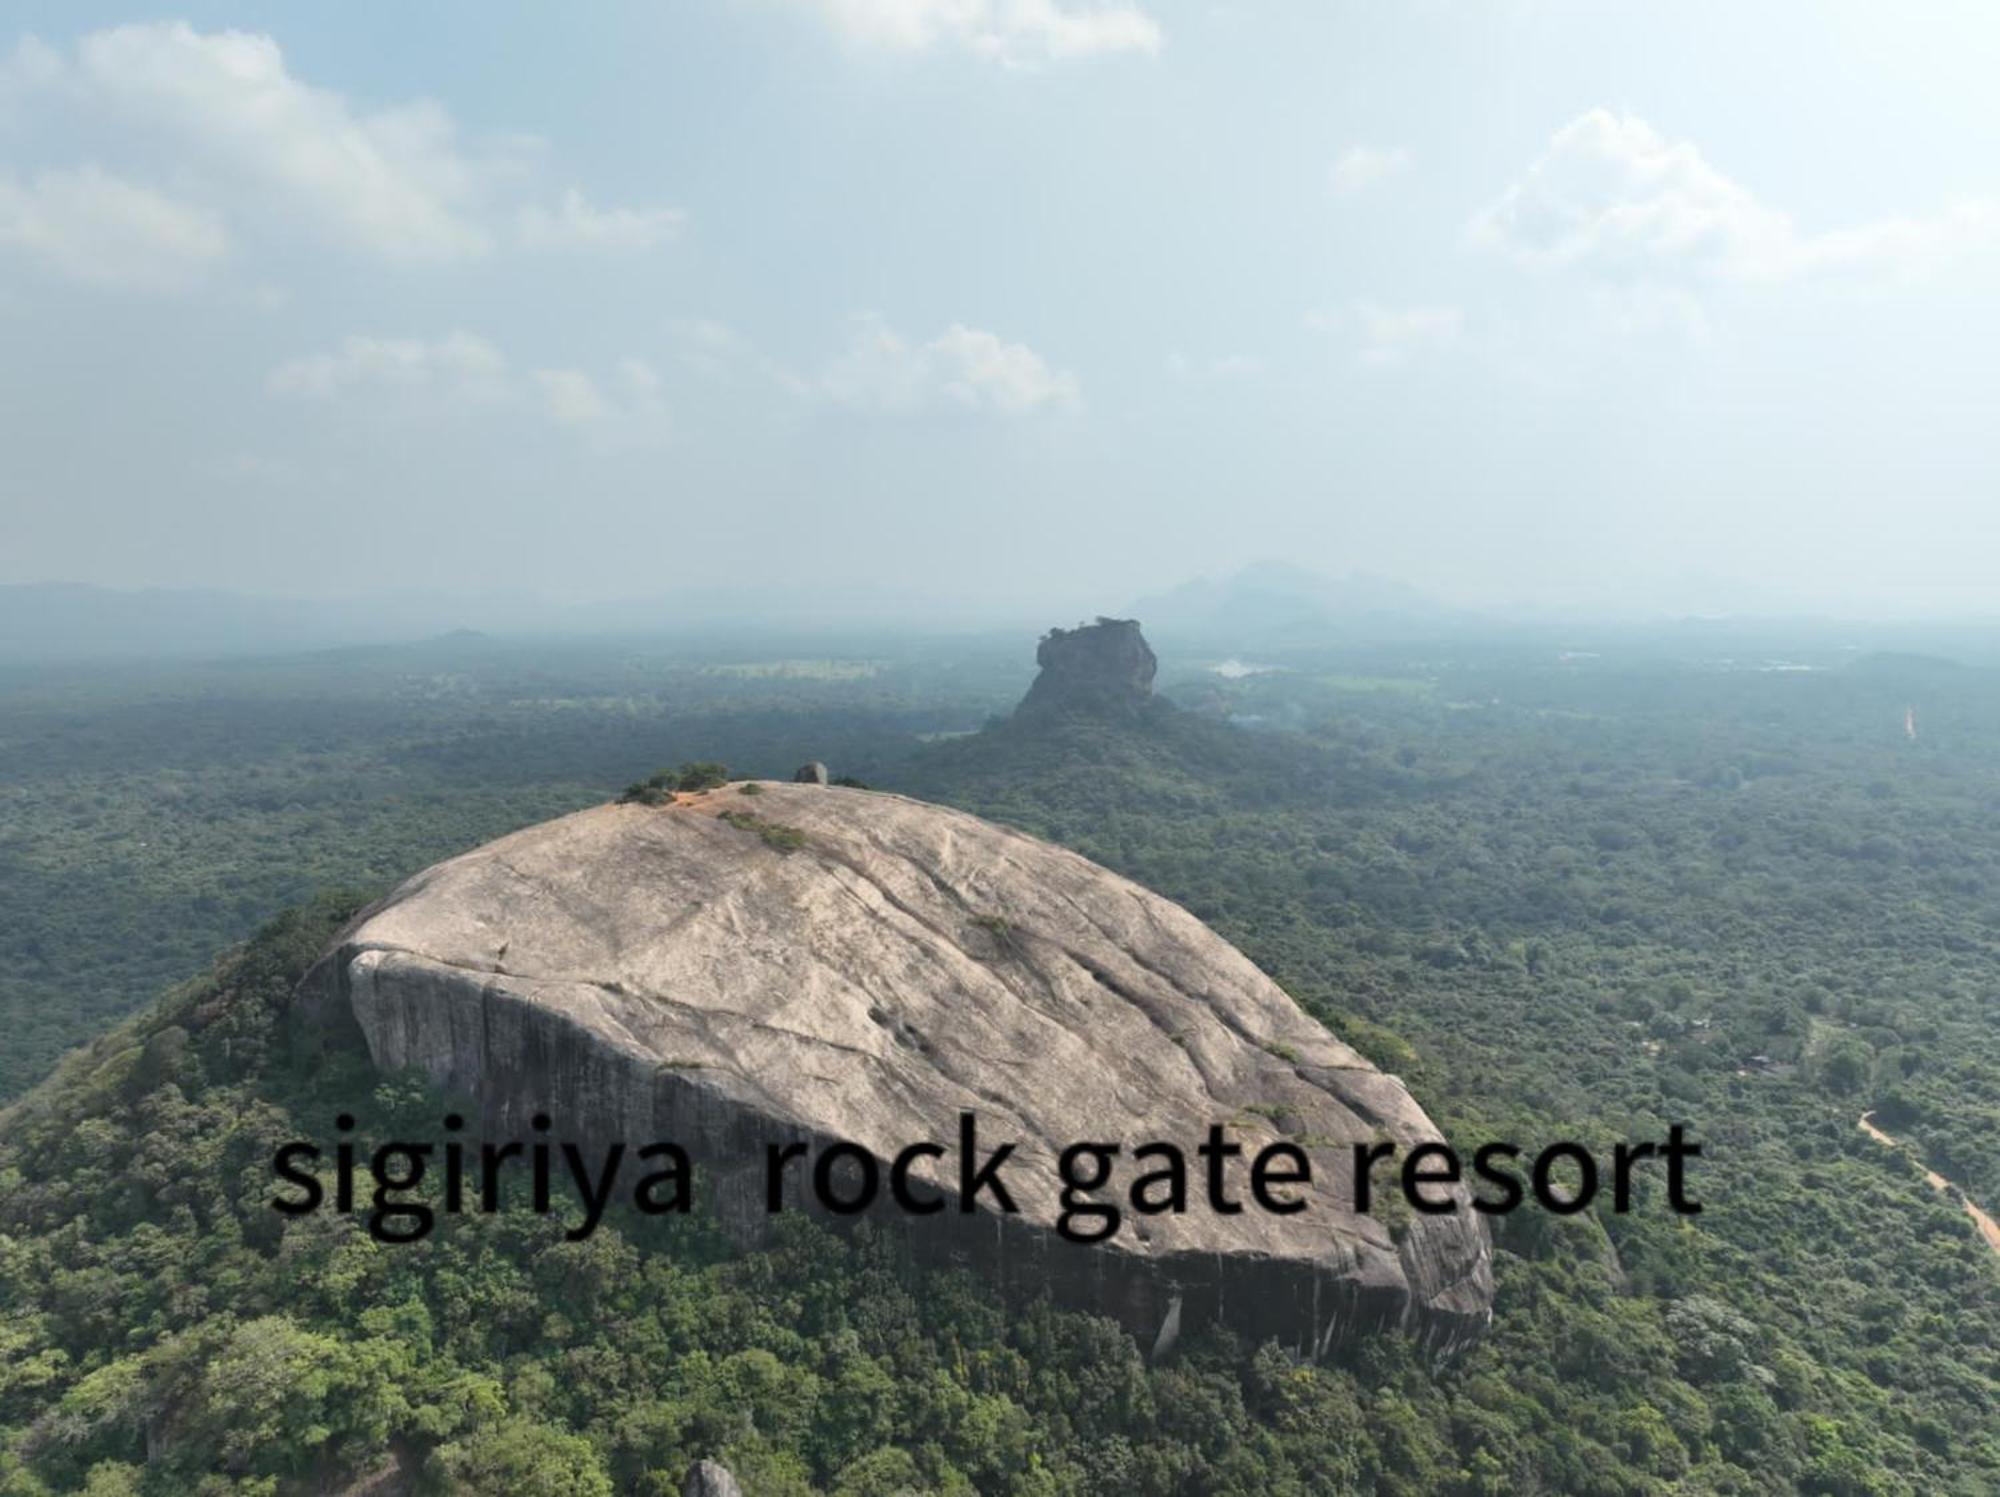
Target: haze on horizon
<point>1022,306</point>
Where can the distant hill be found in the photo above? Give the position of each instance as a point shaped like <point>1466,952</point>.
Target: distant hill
<point>1090,743</point>
<point>1276,603</point>
<point>1903,666</point>
<point>74,621</point>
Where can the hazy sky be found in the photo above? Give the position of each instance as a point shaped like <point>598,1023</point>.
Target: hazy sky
<point>1037,303</point>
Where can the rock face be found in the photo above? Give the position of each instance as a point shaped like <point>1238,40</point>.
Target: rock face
<point>821,964</point>
<point>1105,667</point>
<point>710,1479</point>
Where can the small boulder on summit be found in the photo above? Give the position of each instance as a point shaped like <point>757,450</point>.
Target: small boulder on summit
<point>810,773</point>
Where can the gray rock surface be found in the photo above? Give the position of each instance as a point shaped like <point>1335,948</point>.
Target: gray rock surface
<point>824,963</point>
<point>810,773</point>
<point>1105,667</point>
<point>710,1479</point>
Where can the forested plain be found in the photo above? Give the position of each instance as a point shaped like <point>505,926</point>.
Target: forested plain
<point>1562,893</point>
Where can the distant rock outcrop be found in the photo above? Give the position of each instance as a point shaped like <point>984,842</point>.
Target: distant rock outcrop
<point>810,773</point>
<point>1105,667</point>
<point>821,964</point>
<point>710,1479</point>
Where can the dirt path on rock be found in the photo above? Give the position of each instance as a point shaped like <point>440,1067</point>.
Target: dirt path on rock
<point>1988,1227</point>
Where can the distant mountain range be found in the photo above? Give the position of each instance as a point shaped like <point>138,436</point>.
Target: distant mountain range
<point>1276,603</point>
<point>1270,603</point>
<point>74,621</point>
<point>64,620</point>
<point>1266,606</point>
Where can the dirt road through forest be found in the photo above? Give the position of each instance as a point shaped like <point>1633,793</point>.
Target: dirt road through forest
<point>1988,1227</point>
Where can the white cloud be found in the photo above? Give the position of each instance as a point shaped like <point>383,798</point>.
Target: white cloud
<point>571,397</point>
<point>625,409</point>
<point>968,366</point>
<point>720,355</point>
<point>978,369</point>
<point>32,66</point>
<point>881,370</point>
<point>711,347</point>
<point>575,224</point>
<point>89,226</point>
<point>1220,369</point>
<point>235,126</point>
<point>1613,195</point>
<point>1966,226</point>
<point>1388,336</point>
<point>1641,309</point>
<point>254,468</point>
<point>394,181</point>
<point>459,363</point>
<point>629,412</point>
<point>641,379</point>
<point>1006,31</point>
<point>1364,166</point>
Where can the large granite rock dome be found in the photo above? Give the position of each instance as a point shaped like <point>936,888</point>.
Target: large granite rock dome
<point>825,963</point>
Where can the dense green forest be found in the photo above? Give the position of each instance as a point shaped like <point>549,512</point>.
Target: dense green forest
<point>149,815</point>
<point>1570,896</point>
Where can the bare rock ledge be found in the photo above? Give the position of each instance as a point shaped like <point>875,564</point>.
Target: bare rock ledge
<point>821,963</point>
